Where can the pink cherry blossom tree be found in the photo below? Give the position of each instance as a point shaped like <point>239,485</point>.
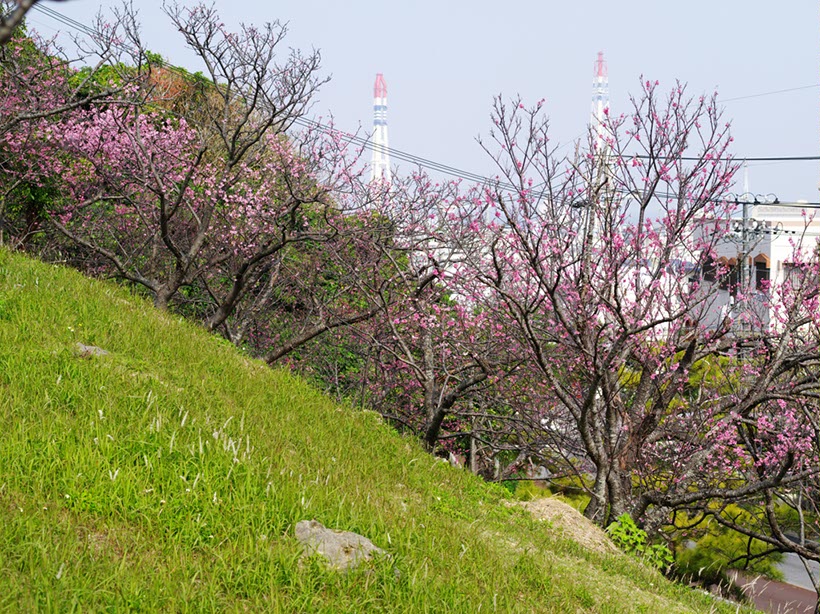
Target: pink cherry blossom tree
<point>431,352</point>
<point>200,190</point>
<point>41,84</point>
<point>171,201</point>
<point>557,315</point>
<point>757,408</point>
<point>593,261</point>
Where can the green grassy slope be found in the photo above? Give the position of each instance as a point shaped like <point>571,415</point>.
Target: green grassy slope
<point>168,475</point>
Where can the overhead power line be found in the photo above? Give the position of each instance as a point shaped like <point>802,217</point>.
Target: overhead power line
<point>771,93</point>
<point>736,158</point>
<point>427,163</point>
<point>438,166</point>
<point>303,121</point>
<point>64,19</point>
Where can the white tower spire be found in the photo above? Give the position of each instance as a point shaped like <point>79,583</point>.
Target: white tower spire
<point>380,167</point>
<point>600,100</point>
<point>599,189</point>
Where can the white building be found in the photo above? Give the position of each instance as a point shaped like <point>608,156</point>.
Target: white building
<point>777,237</point>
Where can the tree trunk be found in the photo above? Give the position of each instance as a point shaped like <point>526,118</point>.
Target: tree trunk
<point>596,508</point>
<point>473,448</point>
<point>162,298</point>
<point>433,427</point>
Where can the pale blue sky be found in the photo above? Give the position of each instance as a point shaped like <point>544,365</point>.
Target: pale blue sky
<point>443,62</point>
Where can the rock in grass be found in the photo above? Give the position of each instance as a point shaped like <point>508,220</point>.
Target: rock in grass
<point>343,549</point>
<point>87,351</point>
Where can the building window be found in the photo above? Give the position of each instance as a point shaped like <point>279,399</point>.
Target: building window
<point>792,272</point>
<point>761,273</point>
<point>729,275</point>
<point>709,273</point>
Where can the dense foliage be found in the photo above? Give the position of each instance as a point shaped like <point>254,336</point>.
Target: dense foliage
<point>555,317</point>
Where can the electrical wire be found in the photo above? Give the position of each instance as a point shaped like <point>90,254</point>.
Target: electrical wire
<point>64,19</point>
<point>771,93</point>
<point>438,166</point>
<point>736,158</point>
<point>433,165</point>
<point>306,122</point>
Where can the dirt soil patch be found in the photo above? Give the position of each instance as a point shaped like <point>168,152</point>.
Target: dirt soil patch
<point>571,523</point>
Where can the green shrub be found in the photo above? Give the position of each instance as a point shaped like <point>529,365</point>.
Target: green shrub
<point>632,539</point>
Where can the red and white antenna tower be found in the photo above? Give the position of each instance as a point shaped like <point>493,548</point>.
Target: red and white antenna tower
<point>600,109</point>
<point>600,99</point>
<point>380,167</point>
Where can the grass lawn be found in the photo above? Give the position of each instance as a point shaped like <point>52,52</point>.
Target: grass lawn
<point>168,475</point>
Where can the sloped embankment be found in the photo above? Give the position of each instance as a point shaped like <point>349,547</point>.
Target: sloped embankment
<point>567,521</point>
<point>168,474</point>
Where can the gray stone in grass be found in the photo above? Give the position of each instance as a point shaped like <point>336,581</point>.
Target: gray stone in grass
<point>343,549</point>
<point>87,351</point>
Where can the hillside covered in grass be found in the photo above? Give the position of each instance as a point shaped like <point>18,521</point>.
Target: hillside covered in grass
<point>169,473</point>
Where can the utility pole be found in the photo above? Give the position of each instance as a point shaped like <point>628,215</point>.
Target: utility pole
<point>744,243</point>
<point>744,231</point>
<point>749,228</point>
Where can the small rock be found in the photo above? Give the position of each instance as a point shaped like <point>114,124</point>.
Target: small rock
<point>342,549</point>
<point>87,351</point>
